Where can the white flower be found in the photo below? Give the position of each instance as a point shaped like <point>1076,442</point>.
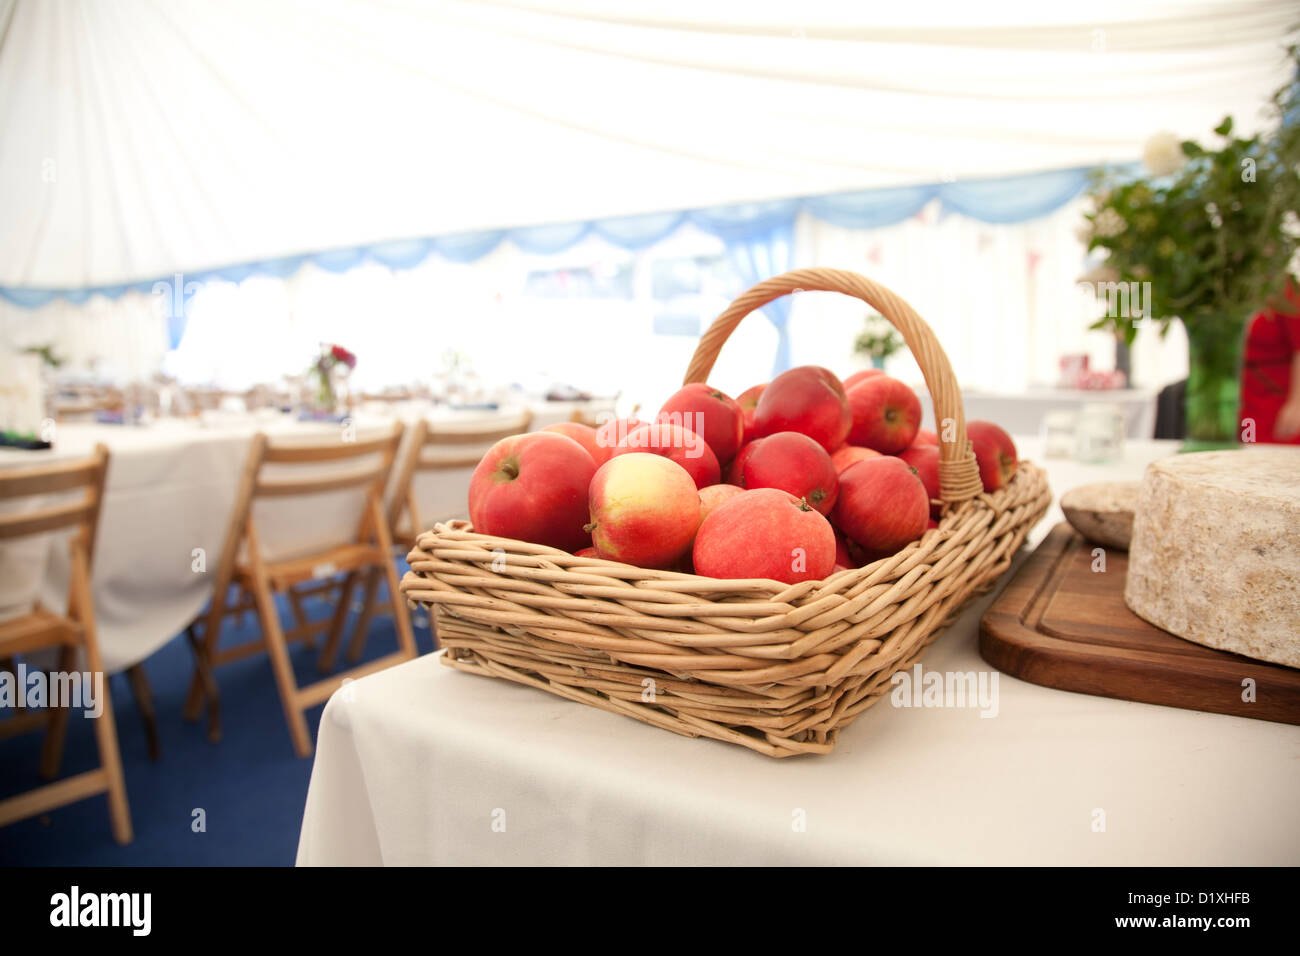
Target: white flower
<point>1163,154</point>
<point>1083,232</point>
<point>1109,223</point>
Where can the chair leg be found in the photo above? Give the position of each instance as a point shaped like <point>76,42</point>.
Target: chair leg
<point>329,653</point>
<point>110,757</point>
<point>203,686</point>
<point>401,616</point>
<point>203,683</point>
<point>357,643</point>
<point>56,732</point>
<point>295,604</point>
<point>195,695</point>
<point>143,695</point>
<point>278,650</point>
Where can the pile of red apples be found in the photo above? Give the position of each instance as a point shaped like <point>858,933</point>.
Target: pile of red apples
<point>791,481</point>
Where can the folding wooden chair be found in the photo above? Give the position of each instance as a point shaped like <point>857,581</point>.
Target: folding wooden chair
<point>457,447</point>
<point>41,628</point>
<point>441,448</point>
<point>257,579</point>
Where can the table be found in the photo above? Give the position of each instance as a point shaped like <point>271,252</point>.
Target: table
<point>424,765</point>
<point>1022,413</point>
<point>170,489</point>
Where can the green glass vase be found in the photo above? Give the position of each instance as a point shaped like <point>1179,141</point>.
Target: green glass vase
<point>1211,405</point>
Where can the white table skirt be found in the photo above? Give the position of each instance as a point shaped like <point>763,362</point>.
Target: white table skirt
<point>170,490</point>
<point>424,765</point>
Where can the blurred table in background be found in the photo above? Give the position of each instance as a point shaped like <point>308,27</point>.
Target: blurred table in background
<point>170,489</point>
<point>1022,413</point>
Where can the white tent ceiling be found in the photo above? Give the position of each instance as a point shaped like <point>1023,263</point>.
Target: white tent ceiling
<point>138,139</point>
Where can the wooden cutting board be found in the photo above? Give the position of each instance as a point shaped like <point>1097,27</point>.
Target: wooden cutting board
<point>1061,624</point>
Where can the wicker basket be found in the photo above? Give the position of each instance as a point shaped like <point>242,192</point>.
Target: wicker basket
<point>778,668</point>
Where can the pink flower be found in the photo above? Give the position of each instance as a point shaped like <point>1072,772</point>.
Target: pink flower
<point>340,354</point>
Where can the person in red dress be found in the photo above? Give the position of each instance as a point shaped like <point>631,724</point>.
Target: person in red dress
<point>1270,374</point>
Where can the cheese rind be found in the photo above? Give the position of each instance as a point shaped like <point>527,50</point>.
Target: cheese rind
<point>1215,553</point>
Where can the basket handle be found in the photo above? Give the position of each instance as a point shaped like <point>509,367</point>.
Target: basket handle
<point>959,477</point>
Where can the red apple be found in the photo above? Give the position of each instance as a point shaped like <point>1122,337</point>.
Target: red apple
<point>925,437</point>
<point>709,413</point>
<point>886,414</point>
<point>862,376</point>
<point>809,400</point>
<point>994,451</point>
<point>847,455</point>
<point>645,510</point>
<point>585,552</point>
<point>765,533</point>
<point>925,459</point>
<point>748,401</point>
<point>714,495</point>
<point>676,444</point>
<point>882,504</point>
<point>796,464</point>
<point>736,470</point>
<point>585,436</point>
<point>533,487</point>
<point>614,431</point>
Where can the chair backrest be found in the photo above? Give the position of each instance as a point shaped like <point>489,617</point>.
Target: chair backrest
<point>580,417</point>
<point>370,478</point>
<point>445,448</point>
<point>594,414</point>
<point>86,474</point>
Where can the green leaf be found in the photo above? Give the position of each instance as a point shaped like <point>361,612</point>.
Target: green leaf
<point>1192,149</point>
<point>1224,128</point>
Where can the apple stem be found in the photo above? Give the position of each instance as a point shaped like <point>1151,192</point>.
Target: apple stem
<point>510,468</point>
<point>589,528</point>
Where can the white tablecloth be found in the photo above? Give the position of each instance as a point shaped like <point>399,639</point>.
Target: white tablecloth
<point>170,490</point>
<point>424,765</point>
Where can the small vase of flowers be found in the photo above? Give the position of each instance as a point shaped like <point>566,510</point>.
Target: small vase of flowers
<point>878,340</point>
<point>326,380</point>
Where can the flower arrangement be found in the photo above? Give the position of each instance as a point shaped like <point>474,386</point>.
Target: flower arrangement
<point>328,373</point>
<point>1206,237</point>
<point>878,340</point>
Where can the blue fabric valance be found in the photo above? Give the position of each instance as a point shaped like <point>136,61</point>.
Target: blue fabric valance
<point>1006,200</point>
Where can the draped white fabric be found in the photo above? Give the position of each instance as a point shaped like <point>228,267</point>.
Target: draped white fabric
<point>143,139</point>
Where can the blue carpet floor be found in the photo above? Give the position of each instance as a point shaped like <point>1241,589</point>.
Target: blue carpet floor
<point>250,785</point>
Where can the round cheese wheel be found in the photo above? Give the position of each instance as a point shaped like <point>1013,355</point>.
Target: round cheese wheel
<point>1215,553</point>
